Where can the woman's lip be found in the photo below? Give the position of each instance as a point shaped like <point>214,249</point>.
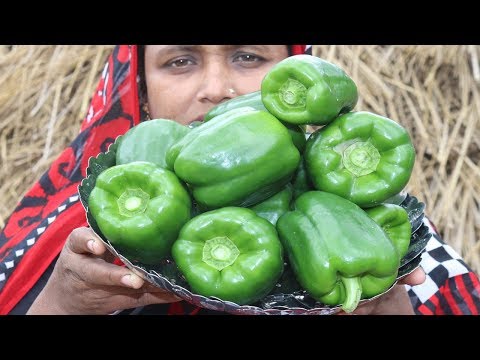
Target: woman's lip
<point>199,118</point>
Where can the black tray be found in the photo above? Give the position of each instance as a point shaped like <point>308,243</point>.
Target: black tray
<point>287,298</point>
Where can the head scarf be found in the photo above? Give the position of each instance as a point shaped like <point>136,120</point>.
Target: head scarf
<point>40,224</point>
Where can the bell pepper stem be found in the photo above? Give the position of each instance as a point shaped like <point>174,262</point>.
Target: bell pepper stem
<point>293,93</point>
<point>353,293</point>
<point>361,158</point>
<point>132,202</point>
<point>220,252</point>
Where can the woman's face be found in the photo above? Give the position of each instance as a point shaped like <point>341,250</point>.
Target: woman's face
<point>185,81</point>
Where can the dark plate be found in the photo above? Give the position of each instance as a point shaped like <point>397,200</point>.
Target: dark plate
<point>418,242</point>
<point>287,297</point>
<point>415,210</point>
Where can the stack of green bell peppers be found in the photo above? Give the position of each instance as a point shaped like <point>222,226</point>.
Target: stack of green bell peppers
<point>233,198</point>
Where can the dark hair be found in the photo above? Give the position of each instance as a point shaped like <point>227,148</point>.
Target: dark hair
<point>142,84</point>
<point>289,47</point>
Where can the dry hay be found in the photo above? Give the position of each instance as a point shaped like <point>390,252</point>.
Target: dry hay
<point>431,90</point>
<point>43,98</point>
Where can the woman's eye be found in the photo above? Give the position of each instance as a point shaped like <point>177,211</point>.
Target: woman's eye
<point>248,58</point>
<point>179,63</point>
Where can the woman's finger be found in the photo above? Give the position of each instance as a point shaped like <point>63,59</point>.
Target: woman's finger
<point>84,241</point>
<point>142,299</point>
<point>417,277</point>
<point>97,271</point>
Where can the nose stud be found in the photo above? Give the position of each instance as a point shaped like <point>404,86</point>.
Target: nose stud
<point>231,91</point>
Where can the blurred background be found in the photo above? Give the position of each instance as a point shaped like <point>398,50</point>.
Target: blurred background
<point>433,91</point>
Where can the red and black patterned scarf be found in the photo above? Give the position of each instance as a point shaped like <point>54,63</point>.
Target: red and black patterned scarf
<point>36,231</point>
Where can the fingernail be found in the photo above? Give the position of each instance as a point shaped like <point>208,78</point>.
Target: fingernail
<point>91,245</point>
<point>127,280</point>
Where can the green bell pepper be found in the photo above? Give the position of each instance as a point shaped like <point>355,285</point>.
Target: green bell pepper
<point>140,208</point>
<point>300,182</point>
<point>239,158</point>
<point>304,89</point>
<point>337,252</point>
<point>230,253</point>
<point>394,221</point>
<point>254,100</point>
<point>149,141</point>
<point>297,132</point>
<point>275,206</point>
<point>363,157</point>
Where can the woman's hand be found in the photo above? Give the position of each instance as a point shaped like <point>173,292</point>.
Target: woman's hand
<point>396,301</point>
<point>84,281</point>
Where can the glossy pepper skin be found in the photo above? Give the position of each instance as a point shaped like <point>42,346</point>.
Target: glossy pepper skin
<point>363,157</point>
<point>394,221</point>
<point>140,208</point>
<point>337,252</point>
<point>304,89</point>
<point>275,206</point>
<point>254,100</point>
<point>230,253</point>
<point>149,141</point>
<point>300,182</point>
<point>239,158</point>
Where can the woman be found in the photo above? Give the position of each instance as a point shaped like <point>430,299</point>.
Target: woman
<point>183,83</point>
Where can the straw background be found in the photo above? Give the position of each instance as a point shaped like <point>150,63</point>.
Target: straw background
<point>433,91</point>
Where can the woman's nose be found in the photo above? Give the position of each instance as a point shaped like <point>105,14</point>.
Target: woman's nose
<point>217,86</point>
